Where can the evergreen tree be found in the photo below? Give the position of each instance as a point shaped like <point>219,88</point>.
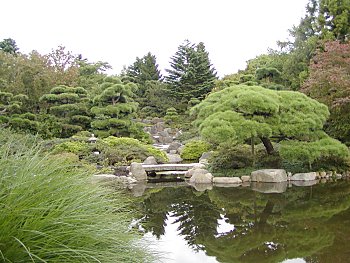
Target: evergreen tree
<point>192,75</point>
<point>114,108</point>
<point>69,106</point>
<point>9,45</point>
<point>144,69</point>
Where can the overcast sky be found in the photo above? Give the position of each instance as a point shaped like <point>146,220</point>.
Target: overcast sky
<point>117,31</point>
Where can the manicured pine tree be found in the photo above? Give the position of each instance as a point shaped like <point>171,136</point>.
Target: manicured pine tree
<point>70,106</point>
<point>114,108</point>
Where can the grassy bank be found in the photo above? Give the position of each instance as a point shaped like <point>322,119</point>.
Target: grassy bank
<point>51,212</point>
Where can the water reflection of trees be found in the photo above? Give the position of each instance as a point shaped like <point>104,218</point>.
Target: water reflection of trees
<point>309,222</point>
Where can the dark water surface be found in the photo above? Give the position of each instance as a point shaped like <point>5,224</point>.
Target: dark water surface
<point>244,224</point>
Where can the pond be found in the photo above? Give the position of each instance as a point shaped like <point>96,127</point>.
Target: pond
<point>244,224</point>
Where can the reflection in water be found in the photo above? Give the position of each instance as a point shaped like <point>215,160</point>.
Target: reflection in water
<point>302,224</point>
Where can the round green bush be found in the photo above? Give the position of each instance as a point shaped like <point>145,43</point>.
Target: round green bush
<point>194,149</point>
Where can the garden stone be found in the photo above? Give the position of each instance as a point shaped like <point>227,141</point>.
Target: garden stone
<point>174,146</point>
<point>227,180</point>
<point>304,177</point>
<point>269,176</point>
<point>199,178</point>
<point>172,151</point>
<point>205,156</point>
<point>150,160</point>
<point>138,172</point>
<point>190,172</point>
<point>180,149</point>
<point>323,174</point>
<point>174,158</point>
<point>245,178</point>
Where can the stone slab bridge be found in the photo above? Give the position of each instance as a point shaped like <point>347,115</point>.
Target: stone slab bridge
<point>168,171</point>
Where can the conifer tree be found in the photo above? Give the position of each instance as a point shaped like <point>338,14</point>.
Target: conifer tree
<point>114,108</point>
<point>69,106</point>
<point>191,74</point>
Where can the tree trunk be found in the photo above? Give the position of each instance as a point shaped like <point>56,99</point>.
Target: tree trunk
<point>268,145</point>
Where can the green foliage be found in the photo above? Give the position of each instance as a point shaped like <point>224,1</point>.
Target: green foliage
<point>191,74</point>
<point>77,147</point>
<point>55,214</point>
<point>194,149</point>
<point>9,45</point>
<point>239,113</point>
<point>171,115</point>
<point>321,152</point>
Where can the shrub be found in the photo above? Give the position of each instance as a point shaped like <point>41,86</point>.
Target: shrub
<point>194,149</point>
<point>51,212</point>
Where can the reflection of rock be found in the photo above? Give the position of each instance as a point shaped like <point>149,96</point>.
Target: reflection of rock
<point>304,177</point>
<point>202,187</point>
<point>201,176</point>
<point>269,175</point>
<point>138,189</point>
<point>269,187</point>
<point>226,185</point>
<point>174,158</point>
<point>304,183</point>
<point>227,180</point>
<point>138,172</point>
<point>150,160</point>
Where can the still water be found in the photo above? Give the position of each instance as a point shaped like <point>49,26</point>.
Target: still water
<point>248,224</point>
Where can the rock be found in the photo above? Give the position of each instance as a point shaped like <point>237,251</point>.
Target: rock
<point>304,177</point>
<point>245,178</point>
<point>180,149</point>
<point>150,160</point>
<point>304,183</point>
<point>160,126</point>
<point>173,152</point>
<point>227,180</point>
<point>269,187</point>
<point>174,158</point>
<point>269,176</point>
<point>204,161</point>
<point>205,155</point>
<point>174,146</point>
<point>323,174</point>
<point>338,176</point>
<point>199,177</point>
<point>190,172</point>
<point>138,172</point>
<point>165,139</point>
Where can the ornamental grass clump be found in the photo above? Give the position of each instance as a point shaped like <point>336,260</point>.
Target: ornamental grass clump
<point>50,211</point>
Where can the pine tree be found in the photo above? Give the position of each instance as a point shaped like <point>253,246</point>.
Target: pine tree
<point>192,75</point>
<point>69,106</point>
<point>114,108</point>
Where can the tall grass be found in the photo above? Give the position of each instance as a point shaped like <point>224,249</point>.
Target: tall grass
<point>51,212</point>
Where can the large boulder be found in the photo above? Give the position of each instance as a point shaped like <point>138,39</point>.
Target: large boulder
<point>304,177</point>
<point>174,158</point>
<point>227,180</point>
<point>198,167</point>
<point>150,160</point>
<point>138,172</point>
<point>269,176</point>
<point>201,176</point>
<point>174,146</point>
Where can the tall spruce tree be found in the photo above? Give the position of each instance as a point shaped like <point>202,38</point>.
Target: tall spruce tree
<point>191,74</point>
<point>144,69</point>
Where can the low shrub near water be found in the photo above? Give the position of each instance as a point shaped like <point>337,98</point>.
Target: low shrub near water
<point>113,150</point>
<point>194,149</point>
<point>52,212</point>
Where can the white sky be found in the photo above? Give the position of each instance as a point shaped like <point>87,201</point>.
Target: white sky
<point>117,31</point>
